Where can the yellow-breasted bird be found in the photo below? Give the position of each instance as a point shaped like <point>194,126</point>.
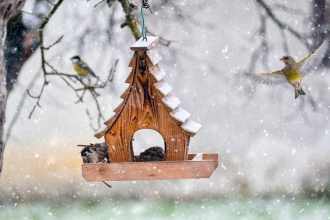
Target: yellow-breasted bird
<point>293,72</point>
<point>81,67</point>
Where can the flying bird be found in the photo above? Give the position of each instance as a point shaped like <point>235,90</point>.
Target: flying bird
<point>95,153</point>
<point>81,67</point>
<point>152,154</point>
<point>293,71</point>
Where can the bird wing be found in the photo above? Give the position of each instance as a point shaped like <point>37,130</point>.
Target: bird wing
<point>270,78</point>
<point>84,65</point>
<point>103,151</point>
<point>313,60</point>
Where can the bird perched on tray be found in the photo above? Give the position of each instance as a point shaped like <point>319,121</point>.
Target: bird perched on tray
<point>95,153</point>
<point>293,71</point>
<point>82,68</point>
<point>152,154</point>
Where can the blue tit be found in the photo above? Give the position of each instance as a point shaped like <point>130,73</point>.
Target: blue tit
<point>81,67</point>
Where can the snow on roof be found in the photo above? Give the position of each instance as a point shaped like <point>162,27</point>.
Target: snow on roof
<point>163,87</point>
<point>145,44</point>
<point>191,127</point>
<point>180,114</point>
<point>171,101</point>
<point>154,57</point>
<point>157,72</point>
<point>99,133</point>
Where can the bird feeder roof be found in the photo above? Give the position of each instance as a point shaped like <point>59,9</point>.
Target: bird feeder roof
<point>171,102</point>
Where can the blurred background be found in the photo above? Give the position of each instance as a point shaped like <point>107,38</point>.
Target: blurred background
<point>273,149</point>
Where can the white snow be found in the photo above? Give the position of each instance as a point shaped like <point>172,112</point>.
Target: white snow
<point>171,101</point>
<point>163,87</point>
<point>191,126</point>
<point>99,133</point>
<point>32,20</point>
<point>111,116</point>
<point>154,56</point>
<point>157,72</point>
<point>146,44</point>
<point>180,114</point>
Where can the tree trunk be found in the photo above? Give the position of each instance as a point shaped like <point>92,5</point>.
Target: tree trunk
<point>8,9</point>
<point>321,23</point>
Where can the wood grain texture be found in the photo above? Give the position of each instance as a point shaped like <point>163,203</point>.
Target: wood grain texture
<point>143,108</point>
<point>148,170</point>
<point>213,157</point>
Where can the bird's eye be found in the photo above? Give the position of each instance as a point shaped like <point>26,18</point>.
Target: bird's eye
<point>286,58</point>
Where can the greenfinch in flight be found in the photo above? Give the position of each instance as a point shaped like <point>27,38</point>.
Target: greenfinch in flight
<point>293,71</point>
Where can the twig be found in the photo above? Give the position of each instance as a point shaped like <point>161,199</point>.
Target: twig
<point>63,74</point>
<point>91,87</point>
<point>79,97</point>
<point>263,48</point>
<point>129,18</point>
<point>30,13</point>
<point>281,24</point>
<point>112,72</point>
<point>49,70</point>
<point>98,3</point>
<point>38,99</point>
<point>285,44</point>
<point>20,107</point>
<point>90,120</point>
<point>56,42</point>
<point>100,116</point>
<point>41,35</point>
<point>50,2</point>
<point>287,9</point>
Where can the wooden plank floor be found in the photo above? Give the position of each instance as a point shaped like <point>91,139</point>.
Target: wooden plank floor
<point>190,169</point>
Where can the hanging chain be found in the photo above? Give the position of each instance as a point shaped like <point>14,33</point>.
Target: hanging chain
<point>144,31</point>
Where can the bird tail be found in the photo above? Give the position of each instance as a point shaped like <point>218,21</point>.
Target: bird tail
<point>298,91</point>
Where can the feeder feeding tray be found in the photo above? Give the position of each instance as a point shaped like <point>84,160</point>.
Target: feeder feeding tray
<point>148,103</point>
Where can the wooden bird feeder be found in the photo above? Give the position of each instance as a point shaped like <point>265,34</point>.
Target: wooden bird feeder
<point>148,103</point>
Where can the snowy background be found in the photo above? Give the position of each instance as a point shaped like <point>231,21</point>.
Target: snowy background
<point>269,144</point>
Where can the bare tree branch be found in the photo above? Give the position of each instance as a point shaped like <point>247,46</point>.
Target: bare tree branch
<point>281,24</point>
<point>287,9</point>
<point>129,18</point>
<point>56,42</point>
<point>20,107</point>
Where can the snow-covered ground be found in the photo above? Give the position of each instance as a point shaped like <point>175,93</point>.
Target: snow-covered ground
<point>253,209</point>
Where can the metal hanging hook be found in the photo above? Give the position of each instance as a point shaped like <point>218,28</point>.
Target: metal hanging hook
<point>145,5</point>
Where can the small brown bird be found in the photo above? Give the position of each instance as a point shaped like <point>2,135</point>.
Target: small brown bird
<point>95,153</point>
<point>152,154</point>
